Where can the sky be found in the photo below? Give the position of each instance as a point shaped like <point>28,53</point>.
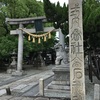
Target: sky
<point>61,1</point>
<point>55,1</point>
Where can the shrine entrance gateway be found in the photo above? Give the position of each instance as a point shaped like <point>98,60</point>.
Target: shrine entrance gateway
<point>38,22</point>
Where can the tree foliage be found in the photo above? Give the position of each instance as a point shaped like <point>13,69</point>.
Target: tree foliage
<point>91,23</point>
<point>18,9</point>
<point>57,14</point>
<point>91,20</point>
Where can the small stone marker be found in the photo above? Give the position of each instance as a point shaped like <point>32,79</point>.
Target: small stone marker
<point>41,87</point>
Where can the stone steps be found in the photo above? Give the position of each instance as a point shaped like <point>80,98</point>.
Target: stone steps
<point>56,93</point>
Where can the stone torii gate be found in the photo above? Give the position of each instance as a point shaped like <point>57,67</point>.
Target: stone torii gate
<point>37,21</point>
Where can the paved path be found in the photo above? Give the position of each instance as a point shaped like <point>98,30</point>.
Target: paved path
<point>20,85</point>
<point>28,98</point>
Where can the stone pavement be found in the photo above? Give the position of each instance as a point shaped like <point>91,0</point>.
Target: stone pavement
<point>29,98</point>
<point>20,85</point>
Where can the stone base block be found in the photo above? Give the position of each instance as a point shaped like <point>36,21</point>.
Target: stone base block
<point>18,73</point>
<point>57,90</point>
<point>60,83</point>
<point>59,87</point>
<point>56,93</point>
<point>61,68</point>
<point>9,71</point>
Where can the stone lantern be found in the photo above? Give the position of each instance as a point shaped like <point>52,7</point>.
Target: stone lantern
<point>13,66</point>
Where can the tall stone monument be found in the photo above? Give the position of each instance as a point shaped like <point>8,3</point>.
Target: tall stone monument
<point>77,82</point>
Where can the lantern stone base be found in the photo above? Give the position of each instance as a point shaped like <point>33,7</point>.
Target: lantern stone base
<point>18,73</point>
<point>60,86</point>
<point>10,70</point>
<point>13,66</point>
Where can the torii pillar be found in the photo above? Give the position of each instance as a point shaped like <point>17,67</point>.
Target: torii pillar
<point>77,80</point>
<point>20,53</point>
<point>19,71</point>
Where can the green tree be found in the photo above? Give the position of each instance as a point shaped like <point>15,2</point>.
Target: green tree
<point>57,14</point>
<point>6,46</point>
<point>35,8</point>
<point>19,9</point>
<point>91,23</point>
<point>14,8</point>
<point>91,20</point>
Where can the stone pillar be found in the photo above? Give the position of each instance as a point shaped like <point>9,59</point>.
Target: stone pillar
<point>20,53</point>
<point>61,38</point>
<point>20,49</point>
<point>77,81</point>
<point>41,87</point>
